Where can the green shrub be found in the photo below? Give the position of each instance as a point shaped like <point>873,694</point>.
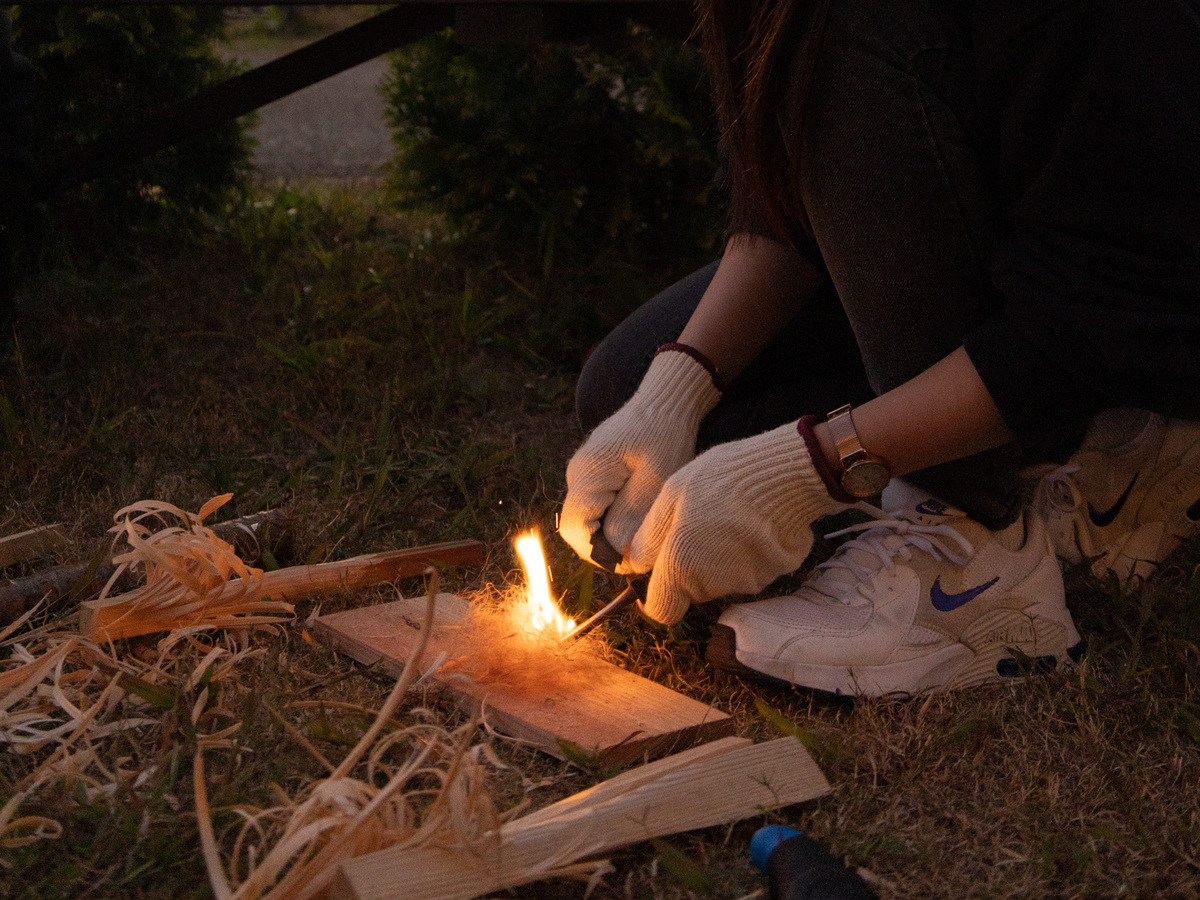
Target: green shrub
<point>99,68</point>
<point>559,147</point>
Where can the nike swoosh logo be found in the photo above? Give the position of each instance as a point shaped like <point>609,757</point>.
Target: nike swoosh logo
<point>944,602</point>
<point>1103,518</point>
<point>931,508</point>
<point>1193,512</point>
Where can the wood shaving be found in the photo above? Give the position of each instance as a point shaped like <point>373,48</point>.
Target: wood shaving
<point>63,696</point>
<point>436,796</point>
<point>495,645</point>
<point>188,571</point>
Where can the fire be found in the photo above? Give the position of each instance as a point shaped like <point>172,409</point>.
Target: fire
<point>539,613</point>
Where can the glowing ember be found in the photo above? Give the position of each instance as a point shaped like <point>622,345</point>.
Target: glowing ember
<point>540,612</point>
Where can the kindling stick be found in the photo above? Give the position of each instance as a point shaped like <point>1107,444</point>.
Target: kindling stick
<point>126,619</point>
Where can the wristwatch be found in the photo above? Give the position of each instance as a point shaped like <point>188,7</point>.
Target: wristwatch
<point>863,473</point>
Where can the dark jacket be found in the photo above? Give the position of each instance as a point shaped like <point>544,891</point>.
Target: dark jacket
<point>1088,124</point>
<point>1085,118</point>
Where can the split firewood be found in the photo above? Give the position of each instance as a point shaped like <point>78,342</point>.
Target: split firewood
<point>31,544</point>
<point>254,538</point>
<point>713,784</point>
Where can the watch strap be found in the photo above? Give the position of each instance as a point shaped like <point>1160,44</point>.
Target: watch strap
<point>845,435</point>
<point>832,483</point>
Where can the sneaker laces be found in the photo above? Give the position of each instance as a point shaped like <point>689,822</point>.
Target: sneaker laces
<point>1057,496</point>
<point>889,537</point>
<point>1057,488</point>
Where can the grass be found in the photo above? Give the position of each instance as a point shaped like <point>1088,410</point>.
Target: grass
<point>393,387</point>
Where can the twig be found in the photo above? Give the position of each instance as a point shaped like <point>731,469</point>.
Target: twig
<point>208,840</point>
<point>402,684</point>
<point>299,737</point>
<point>30,544</point>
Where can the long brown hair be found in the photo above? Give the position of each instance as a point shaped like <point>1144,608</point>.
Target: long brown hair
<point>746,48</point>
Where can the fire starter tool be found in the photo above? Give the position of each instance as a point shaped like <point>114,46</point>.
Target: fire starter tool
<point>607,557</point>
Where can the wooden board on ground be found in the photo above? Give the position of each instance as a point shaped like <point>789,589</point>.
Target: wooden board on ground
<point>614,713</point>
<point>29,544</point>
<point>125,620</point>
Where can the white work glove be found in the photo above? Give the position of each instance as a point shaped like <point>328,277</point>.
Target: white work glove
<point>731,521</point>
<point>621,467</point>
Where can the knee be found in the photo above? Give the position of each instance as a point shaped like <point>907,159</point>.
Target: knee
<point>615,369</point>
<point>608,379</point>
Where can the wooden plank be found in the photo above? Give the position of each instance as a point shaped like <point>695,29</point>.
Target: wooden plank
<point>124,620</point>
<point>614,713</point>
<point>721,782</point>
<point>32,543</point>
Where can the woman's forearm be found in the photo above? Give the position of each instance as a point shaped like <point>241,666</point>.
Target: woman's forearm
<point>758,288</point>
<point>944,413</point>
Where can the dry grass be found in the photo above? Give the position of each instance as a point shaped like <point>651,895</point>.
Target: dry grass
<point>393,389</point>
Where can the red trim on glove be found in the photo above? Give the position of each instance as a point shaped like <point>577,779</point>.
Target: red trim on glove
<point>832,483</point>
<point>708,364</point>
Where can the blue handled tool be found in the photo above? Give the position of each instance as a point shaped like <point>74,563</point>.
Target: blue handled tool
<point>799,868</point>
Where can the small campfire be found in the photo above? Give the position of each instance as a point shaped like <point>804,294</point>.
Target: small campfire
<point>511,634</point>
<point>539,613</point>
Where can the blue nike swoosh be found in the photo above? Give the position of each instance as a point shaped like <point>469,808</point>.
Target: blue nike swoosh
<point>944,602</point>
<point>1193,512</point>
<point>1102,518</point>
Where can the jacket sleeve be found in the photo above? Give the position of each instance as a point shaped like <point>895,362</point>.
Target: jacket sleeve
<point>1092,112</point>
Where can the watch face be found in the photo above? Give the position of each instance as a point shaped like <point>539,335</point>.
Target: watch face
<point>866,478</point>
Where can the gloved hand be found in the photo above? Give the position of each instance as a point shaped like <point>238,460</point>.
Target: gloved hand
<point>621,467</point>
<point>731,521</point>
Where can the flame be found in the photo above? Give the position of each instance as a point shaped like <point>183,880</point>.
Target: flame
<point>540,612</point>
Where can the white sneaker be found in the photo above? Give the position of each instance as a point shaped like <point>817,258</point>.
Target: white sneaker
<point>1128,496</point>
<point>925,599</point>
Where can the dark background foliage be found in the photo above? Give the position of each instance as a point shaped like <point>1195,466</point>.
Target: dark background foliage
<point>101,67</point>
<point>567,148</point>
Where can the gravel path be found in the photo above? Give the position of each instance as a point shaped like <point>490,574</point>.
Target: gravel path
<point>334,129</point>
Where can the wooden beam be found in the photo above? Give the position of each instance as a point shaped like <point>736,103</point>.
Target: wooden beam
<point>30,544</point>
<point>620,716</point>
<point>244,93</point>
<point>124,620</point>
<point>714,784</point>
<point>481,21</point>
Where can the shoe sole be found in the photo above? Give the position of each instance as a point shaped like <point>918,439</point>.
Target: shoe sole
<point>1138,553</point>
<point>1002,644</point>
